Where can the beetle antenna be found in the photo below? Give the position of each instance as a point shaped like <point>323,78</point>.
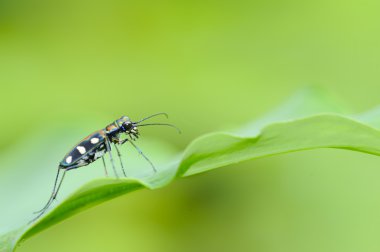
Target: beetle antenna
<point>162,124</point>
<point>146,118</point>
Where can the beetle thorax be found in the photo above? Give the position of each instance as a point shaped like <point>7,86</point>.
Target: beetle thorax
<point>122,125</point>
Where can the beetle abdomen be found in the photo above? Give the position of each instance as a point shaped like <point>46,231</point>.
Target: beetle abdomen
<point>86,151</point>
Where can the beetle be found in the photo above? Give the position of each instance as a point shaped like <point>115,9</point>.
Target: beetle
<point>96,145</point>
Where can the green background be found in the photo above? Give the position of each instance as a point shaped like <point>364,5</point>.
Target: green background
<point>211,65</point>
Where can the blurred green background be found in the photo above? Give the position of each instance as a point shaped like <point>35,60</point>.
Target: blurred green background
<point>211,65</point>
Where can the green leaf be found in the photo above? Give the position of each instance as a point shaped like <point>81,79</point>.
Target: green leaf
<point>307,121</point>
<point>320,131</point>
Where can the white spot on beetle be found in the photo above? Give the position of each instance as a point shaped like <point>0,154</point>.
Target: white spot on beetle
<point>94,140</point>
<point>69,159</point>
<point>81,149</point>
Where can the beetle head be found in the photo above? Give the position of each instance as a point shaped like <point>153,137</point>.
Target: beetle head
<point>127,126</point>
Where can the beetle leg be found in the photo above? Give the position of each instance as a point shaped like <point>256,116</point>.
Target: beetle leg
<point>121,161</point>
<point>142,154</point>
<point>55,191</point>
<point>52,193</point>
<point>108,146</point>
<point>133,138</point>
<point>115,140</point>
<point>52,197</point>
<point>60,183</point>
<point>105,167</point>
<point>123,141</point>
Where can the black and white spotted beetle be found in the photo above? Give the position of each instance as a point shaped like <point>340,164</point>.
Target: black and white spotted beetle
<point>96,145</point>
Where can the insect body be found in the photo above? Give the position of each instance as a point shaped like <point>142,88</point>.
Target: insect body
<point>96,145</point>
<point>85,152</point>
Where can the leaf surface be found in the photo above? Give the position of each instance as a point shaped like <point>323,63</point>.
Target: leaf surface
<point>307,121</point>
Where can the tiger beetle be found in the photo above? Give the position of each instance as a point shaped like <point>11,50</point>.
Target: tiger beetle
<point>96,145</point>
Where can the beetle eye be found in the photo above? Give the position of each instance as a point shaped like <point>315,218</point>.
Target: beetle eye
<point>127,125</point>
